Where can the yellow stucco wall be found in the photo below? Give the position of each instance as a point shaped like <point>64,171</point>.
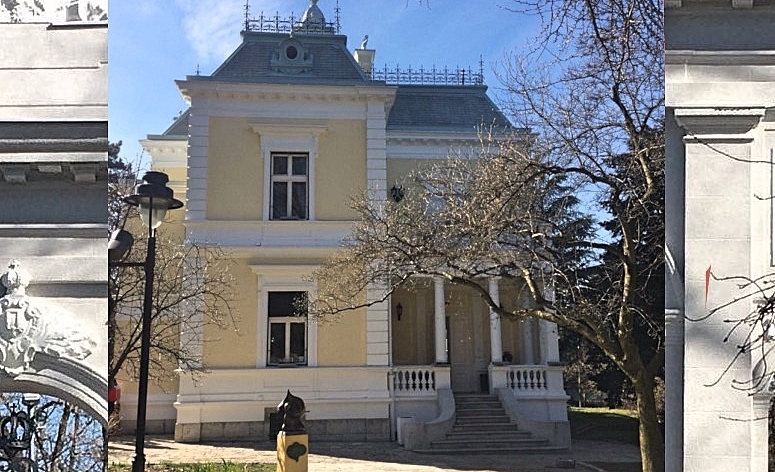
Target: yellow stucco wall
<point>342,341</point>
<point>340,169</point>
<point>230,348</point>
<point>398,169</point>
<point>235,170</point>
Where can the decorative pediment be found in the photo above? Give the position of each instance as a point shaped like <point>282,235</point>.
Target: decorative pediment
<point>292,57</point>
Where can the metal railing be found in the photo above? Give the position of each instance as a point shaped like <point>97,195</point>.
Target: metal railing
<point>277,24</point>
<point>432,76</point>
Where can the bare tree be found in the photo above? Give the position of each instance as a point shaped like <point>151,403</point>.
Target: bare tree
<point>63,436</point>
<point>591,89</point>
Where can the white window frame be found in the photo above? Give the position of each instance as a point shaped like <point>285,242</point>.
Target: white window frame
<point>281,278</point>
<point>280,136</point>
<point>289,179</point>
<point>287,321</point>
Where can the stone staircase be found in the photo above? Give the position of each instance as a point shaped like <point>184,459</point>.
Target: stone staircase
<point>483,427</point>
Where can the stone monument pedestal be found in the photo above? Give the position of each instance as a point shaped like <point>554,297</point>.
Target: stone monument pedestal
<point>292,452</point>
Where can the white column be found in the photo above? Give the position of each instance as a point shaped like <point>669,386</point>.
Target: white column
<point>549,337</point>
<point>440,326</point>
<point>496,343</point>
<point>528,356</point>
<point>549,342</point>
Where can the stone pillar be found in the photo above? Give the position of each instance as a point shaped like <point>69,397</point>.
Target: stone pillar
<point>496,342</point>
<point>528,356</point>
<point>719,212</point>
<point>549,346</point>
<point>440,321</point>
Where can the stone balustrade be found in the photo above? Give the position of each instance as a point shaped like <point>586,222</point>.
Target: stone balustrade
<point>419,380</point>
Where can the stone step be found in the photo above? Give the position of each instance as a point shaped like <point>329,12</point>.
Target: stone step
<point>483,442</point>
<point>484,428</point>
<point>512,433</point>
<point>494,450</point>
<point>480,412</point>
<point>474,398</point>
<point>477,406</point>
<point>482,419</point>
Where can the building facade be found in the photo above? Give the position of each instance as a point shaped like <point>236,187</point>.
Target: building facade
<point>720,94</point>
<point>272,147</point>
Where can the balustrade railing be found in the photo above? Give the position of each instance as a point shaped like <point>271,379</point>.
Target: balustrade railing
<point>526,378</point>
<point>417,380</point>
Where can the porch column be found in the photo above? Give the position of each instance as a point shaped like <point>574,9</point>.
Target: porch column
<point>549,338</point>
<point>496,344</point>
<point>549,342</point>
<point>528,356</point>
<point>440,324</point>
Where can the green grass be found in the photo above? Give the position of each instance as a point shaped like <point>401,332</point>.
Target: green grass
<point>604,424</point>
<point>204,467</point>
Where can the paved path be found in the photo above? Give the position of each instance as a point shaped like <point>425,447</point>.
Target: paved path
<point>372,457</point>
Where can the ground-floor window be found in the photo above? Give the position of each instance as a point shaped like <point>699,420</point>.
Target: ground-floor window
<point>287,316</point>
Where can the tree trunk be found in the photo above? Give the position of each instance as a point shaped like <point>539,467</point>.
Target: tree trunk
<point>652,446</point>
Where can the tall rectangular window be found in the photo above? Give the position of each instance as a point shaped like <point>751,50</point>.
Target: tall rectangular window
<point>287,328</point>
<point>290,184</point>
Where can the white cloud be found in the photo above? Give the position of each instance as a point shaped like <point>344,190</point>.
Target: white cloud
<point>212,27</point>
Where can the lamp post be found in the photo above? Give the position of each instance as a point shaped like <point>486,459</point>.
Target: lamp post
<point>154,199</point>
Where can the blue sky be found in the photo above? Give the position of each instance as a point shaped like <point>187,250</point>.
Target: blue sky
<point>152,43</point>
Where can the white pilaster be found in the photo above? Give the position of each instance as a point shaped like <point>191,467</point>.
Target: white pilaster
<point>496,342</point>
<point>196,191</point>
<point>440,326</point>
<point>377,328</point>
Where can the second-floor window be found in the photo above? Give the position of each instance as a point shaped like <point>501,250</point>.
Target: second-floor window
<point>290,184</point>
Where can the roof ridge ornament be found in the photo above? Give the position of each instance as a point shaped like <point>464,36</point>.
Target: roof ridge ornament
<point>312,21</point>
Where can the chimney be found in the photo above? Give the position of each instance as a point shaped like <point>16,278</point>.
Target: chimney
<point>365,59</point>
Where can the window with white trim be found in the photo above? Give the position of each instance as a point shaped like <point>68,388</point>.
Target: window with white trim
<point>287,315</point>
<point>290,186</point>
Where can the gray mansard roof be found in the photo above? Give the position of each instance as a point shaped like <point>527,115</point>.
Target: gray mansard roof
<point>444,108</point>
<point>325,60</point>
<point>256,61</point>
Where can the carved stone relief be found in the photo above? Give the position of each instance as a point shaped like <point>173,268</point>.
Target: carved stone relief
<point>26,331</point>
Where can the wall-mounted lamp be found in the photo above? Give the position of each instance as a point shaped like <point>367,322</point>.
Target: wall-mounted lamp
<point>399,311</point>
<point>397,193</point>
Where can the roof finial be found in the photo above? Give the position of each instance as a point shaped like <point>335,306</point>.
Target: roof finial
<point>247,15</point>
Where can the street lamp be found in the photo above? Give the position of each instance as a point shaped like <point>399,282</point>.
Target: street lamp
<point>154,199</point>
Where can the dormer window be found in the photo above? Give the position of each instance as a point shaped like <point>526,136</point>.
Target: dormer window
<point>291,57</point>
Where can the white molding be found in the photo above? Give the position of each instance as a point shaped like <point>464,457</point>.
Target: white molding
<point>242,92</point>
<point>297,137</point>
<point>302,233</point>
<point>57,157</point>
<point>167,153</point>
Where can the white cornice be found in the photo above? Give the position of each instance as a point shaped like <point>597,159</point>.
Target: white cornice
<point>720,58</point>
<point>167,152</point>
<point>718,123</point>
<point>283,92</point>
